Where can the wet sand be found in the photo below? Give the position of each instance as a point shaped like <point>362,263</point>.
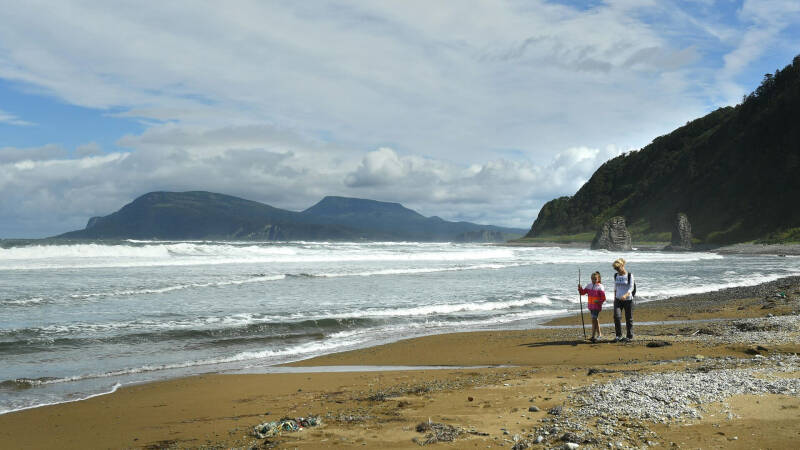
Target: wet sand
<point>489,406</point>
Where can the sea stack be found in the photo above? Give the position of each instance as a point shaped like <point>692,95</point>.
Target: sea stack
<point>613,235</point>
<point>681,234</point>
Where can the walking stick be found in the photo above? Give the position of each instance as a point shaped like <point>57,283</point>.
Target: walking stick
<point>580,300</point>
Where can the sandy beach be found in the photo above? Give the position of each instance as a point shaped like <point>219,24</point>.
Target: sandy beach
<point>721,371</point>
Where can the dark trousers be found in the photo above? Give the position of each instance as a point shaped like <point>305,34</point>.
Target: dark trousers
<point>626,305</point>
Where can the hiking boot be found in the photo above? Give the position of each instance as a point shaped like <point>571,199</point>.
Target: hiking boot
<point>617,338</point>
<point>593,340</point>
<point>625,339</point>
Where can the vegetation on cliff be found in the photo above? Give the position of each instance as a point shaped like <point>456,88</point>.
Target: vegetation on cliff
<point>733,173</point>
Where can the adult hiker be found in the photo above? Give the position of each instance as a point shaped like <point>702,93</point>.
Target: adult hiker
<point>623,300</point>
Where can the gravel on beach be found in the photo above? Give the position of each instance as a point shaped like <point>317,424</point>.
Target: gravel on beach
<point>770,289</point>
<point>620,413</point>
<point>678,396</point>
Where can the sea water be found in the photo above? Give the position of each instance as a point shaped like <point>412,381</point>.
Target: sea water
<point>79,319</point>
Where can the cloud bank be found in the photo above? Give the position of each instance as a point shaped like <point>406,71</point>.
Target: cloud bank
<point>479,111</point>
<point>51,190</point>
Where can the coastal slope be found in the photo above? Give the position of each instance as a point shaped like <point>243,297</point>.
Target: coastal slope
<point>728,171</point>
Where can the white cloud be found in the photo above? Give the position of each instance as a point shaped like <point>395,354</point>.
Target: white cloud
<point>52,190</point>
<point>492,75</point>
<point>11,119</point>
<point>510,192</point>
<point>47,152</point>
<point>380,167</point>
<point>89,149</point>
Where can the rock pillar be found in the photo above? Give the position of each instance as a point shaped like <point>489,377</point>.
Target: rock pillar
<point>613,235</point>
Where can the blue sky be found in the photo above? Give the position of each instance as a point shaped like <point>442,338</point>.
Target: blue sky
<point>477,111</point>
<point>46,119</point>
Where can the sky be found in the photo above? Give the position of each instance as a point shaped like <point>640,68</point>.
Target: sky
<point>472,110</point>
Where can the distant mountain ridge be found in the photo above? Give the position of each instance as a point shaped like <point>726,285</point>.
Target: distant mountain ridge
<point>394,219</point>
<point>732,172</point>
<point>208,215</point>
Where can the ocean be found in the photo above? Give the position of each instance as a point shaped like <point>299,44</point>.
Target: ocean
<point>80,319</point>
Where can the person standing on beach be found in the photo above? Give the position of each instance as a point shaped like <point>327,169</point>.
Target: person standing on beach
<point>597,295</point>
<point>623,300</point>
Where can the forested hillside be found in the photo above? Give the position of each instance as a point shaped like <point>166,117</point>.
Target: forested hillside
<point>734,173</point>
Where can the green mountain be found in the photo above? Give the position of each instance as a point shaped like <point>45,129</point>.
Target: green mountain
<point>202,215</point>
<point>733,172</point>
<point>397,221</point>
<point>207,215</point>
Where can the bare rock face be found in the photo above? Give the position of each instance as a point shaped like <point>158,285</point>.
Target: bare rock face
<point>481,236</point>
<point>92,222</point>
<point>613,235</point>
<point>681,234</point>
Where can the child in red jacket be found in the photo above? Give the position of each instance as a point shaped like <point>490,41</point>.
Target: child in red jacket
<point>597,295</point>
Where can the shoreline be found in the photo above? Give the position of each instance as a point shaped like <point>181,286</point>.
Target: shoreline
<point>733,249</point>
<point>383,407</point>
<point>554,320</point>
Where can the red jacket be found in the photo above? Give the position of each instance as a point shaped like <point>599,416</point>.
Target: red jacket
<point>597,295</point>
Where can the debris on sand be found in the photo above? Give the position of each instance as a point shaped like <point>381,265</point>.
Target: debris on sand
<point>274,428</point>
<point>437,432</point>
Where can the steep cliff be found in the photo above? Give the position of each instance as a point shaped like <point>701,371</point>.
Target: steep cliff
<point>729,172</point>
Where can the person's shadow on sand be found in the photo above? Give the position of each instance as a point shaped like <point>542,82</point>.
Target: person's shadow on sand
<point>551,343</point>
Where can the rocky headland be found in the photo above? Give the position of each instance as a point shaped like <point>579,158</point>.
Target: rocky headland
<point>714,170</point>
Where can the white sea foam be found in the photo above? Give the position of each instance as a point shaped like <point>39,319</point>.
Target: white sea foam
<point>196,253</point>
<point>428,310</point>
<point>550,255</point>
<point>183,253</point>
<point>420,270</point>
<point>265,278</point>
<point>244,319</point>
<point>145,325</point>
<point>162,290</point>
<point>750,280</point>
<point>452,308</point>
<point>22,301</point>
<point>78,399</point>
<point>542,300</point>
<point>44,252</point>
<point>313,347</point>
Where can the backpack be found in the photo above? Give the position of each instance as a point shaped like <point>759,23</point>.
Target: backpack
<point>633,292</point>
